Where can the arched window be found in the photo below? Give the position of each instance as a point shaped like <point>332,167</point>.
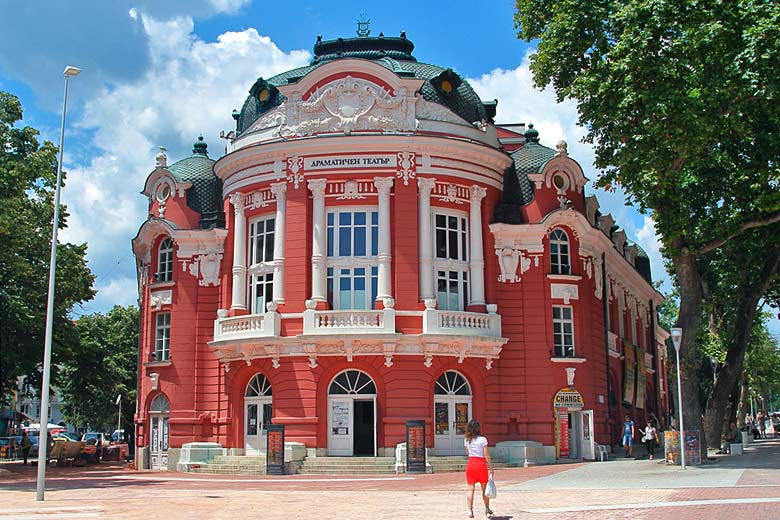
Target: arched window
<point>165,261</point>
<point>259,386</point>
<point>559,253</point>
<point>352,382</point>
<point>452,383</point>
<point>160,404</point>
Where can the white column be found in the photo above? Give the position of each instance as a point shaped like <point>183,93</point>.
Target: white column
<point>384,282</point>
<point>319,239</point>
<point>239,253</point>
<point>476,257</point>
<point>279,191</point>
<point>425,237</point>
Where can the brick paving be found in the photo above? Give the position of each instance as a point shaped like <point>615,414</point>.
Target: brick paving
<point>726,489</point>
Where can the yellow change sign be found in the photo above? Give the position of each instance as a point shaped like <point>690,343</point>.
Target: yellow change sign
<point>568,398</point>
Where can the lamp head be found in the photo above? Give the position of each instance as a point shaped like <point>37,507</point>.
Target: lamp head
<point>72,71</point>
<point>676,334</point>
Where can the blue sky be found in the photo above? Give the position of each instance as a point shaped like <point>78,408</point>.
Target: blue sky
<point>159,73</point>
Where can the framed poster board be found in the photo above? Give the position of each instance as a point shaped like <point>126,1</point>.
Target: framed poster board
<point>692,447</point>
<point>415,446</point>
<point>274,460</point>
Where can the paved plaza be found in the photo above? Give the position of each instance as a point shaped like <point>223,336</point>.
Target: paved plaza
<point>728,487</point>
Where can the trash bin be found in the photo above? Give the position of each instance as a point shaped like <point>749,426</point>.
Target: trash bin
<point>745,439</point>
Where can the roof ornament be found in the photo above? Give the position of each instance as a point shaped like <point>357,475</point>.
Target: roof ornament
<point>532,134</point>
<point>161,159</point>
<point>363,31</point>
<point>403,34</point>
<point>563,149</point>
<point>200,147</point>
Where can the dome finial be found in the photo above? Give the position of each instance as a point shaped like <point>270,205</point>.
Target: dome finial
<point>531,135</point>
<point>363,31</point>
<point>200,147</point>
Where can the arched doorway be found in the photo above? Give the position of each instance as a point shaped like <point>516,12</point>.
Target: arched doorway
<point>159,411</point>
<point>352,414</point>
<point>257,414</point>
<point>451,412</point>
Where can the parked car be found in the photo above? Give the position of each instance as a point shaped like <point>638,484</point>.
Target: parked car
<point>65,436</point>
<point>94,442</point>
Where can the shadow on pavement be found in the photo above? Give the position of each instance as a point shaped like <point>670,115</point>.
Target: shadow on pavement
<point>761,454</point>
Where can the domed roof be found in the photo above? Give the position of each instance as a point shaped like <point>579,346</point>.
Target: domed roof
<point>393,53</point>
<point>205,196</point>
<point>528,159</point>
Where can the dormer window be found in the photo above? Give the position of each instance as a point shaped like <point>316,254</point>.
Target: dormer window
<point>559,253</point>
<point>165,261</point>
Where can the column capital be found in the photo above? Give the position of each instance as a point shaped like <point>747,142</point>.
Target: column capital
<point>383,184</point>
<point>317,187</point>
<point>477,193</point>
<point>279,189</point>
<point>237,200</point>
<point>425,185</point>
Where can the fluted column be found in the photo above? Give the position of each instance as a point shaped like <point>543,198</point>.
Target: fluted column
<point>425,237</point>
<point>279,191</point>
<point>384,282</point>
<point>238,300</point>
<point>476,257</point>
<point>319,241</point>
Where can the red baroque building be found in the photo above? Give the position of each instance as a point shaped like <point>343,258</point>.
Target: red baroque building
<point>372,249</point>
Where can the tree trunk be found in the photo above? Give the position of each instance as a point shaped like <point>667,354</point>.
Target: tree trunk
<point>743,401</point>
<point>689,320</point>
<point>746,314</point>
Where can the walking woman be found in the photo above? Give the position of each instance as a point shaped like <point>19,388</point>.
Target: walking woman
<point>479,466</point>
<point>650,436</point>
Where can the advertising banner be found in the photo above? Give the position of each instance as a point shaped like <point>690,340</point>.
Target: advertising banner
<point>629,373</point>
<point>415,446</point>
<point>275,450</point>
<point>692,447</point>
<point>563,433</point>
<point>641,377</point>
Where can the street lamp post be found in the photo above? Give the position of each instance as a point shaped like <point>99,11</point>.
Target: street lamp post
<point>43,436</point>
<point>677,341</point>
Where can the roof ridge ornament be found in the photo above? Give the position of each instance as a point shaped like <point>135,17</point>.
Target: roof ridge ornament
<point>161,159</point>
<point>363,26</point>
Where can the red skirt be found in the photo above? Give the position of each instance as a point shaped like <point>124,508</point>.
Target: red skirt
<point>476,471</point>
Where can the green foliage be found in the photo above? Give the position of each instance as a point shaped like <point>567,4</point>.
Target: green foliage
<point>762,361</point>
<point>27,178</point>
<point>680,100</point>
<point>106,366</point>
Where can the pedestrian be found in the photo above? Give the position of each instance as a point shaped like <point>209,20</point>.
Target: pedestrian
<point>776,424</point>
<point>26,445</point>
<point>628,436</point>
<point>479,467</point>
<point>733,436</point>
<point>49,446</point>
<point>761,419</point>
<point>650,438</point>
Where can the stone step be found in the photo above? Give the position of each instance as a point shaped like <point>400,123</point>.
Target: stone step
<point>210,470</point>
<point>338,461</point>
<point>237,458</point>
<point>331,470</point>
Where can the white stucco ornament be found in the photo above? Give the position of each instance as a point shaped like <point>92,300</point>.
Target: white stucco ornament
<point>509,259</point>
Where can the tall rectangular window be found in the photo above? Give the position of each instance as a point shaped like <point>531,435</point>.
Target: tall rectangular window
<point>162,336</point>
<point>260,263</point>
<point>353,267</point>
<point>451,262</point>
<point>563,331</point>
<point>165,261</point>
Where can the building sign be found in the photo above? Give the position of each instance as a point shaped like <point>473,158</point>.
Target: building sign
<point>692,447</point>
<point>629,373</point>
<point>641,377</point>
<point>339,162</point>
<point>568,398</point>
<point>275,450</point>
<point>415,446</point>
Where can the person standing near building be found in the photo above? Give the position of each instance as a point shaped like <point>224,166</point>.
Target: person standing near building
<point>628,435</point>
<point>26,444</point>
<point>776,424</point>
<point>479,467</point>
<point>650,437</point>
<point>761,420</point>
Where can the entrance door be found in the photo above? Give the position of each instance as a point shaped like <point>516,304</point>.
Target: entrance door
<point>158,438</point>
<point>451,413</point>
<point>588,437</point>
<point>258,411</point>
<point>575,435</point>
<point>352,414</point>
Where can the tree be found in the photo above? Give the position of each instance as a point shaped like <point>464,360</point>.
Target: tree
<point>106,366</point>
<point>27,178</point>
<point>680,100</point>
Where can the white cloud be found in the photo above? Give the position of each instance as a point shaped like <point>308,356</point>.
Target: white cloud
<point>520,102</point>
<point>190,87</point>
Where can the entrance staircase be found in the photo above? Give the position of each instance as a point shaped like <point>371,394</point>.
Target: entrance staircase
<point>348,466</point>
<point>452,463</point>
<point>232,465</point>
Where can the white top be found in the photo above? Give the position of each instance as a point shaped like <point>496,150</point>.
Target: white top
<point>476,446</point>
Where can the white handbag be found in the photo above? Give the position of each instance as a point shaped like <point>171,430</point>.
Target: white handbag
<point>490,489</point>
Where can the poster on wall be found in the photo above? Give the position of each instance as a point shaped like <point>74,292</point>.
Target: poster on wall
<point>461,418</point>
<point>441,413</point>
<point>641,377</point>
<point>692,447</point>
<point>629,372</point>
<point>563,433</point>
<point>415,446</point>
<point>275,450</point>
<point>339,418</point>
